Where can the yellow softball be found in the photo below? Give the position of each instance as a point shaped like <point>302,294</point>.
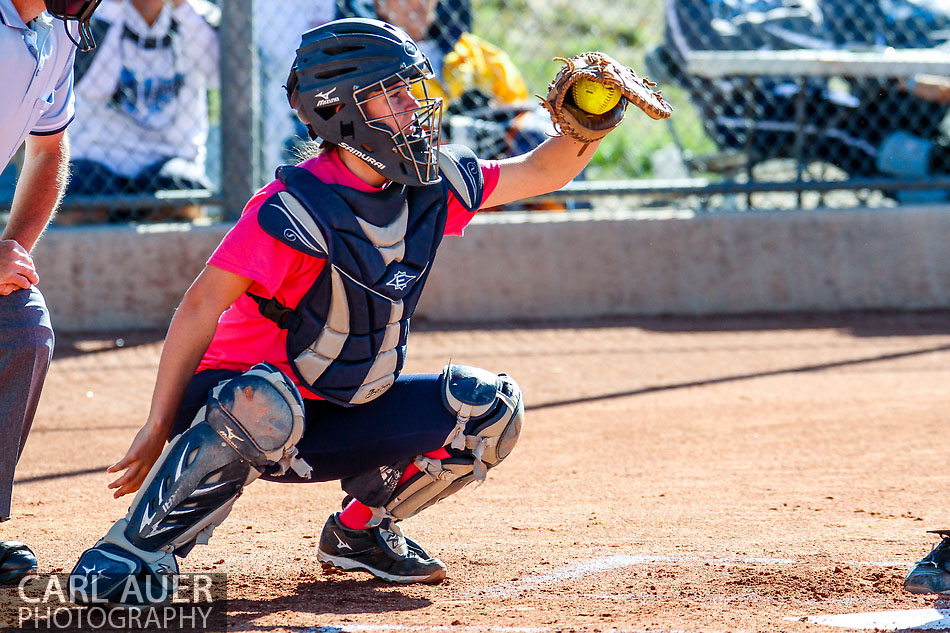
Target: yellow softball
<point>593,96</point>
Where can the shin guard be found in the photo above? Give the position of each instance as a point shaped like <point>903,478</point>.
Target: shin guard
<point>250,423</point>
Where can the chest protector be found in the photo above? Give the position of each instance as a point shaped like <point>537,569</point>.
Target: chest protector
<point>346,339</point>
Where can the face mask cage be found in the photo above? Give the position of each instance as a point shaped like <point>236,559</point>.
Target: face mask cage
<point>414,131</point>
<point>79,10</point>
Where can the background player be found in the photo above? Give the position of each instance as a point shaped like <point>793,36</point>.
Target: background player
<point>37,61</point>
<point>318,279</point>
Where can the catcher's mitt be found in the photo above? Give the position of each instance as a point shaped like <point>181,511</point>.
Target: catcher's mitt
<point>571,120</point>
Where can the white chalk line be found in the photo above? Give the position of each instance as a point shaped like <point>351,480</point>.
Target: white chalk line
<point>598,565</point>
<point>609,563</point>
<point>922,619</point>
<point>707,597</point>
<point>925,619</point>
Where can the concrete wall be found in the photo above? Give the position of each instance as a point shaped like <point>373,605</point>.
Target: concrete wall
<point>531,265</point>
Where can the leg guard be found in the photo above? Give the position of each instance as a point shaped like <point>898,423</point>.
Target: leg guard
<point>489,413</point>
<point>250,423</point>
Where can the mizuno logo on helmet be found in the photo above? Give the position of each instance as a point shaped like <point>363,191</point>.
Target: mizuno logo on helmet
<point>369,159</point>
<point>324,98</point>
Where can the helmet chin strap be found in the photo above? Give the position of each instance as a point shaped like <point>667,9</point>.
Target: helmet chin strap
<point>362,169</point>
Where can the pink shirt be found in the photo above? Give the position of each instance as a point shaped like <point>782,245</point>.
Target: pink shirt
<point>243,337</point>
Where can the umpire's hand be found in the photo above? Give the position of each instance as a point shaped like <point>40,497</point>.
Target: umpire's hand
<point>17,270</point>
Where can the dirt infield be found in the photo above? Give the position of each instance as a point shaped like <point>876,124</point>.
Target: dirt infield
<point>741,474</point>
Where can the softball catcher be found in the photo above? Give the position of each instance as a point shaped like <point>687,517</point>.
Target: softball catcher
<point>284,359</point>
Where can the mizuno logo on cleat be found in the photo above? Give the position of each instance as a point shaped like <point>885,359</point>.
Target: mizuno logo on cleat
<point>340,543</point>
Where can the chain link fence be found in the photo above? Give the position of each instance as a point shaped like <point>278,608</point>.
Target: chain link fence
<point>779,104</point>
<point>814,91</point>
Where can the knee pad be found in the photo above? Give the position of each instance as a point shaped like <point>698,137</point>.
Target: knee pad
<point>250,423</point>
<point>489,413</point>
<point>259,414</point>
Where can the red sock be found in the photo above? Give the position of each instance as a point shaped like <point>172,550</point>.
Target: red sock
<point>356,515</point>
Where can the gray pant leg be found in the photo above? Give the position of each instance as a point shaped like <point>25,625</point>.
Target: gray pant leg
<point>26,348</point>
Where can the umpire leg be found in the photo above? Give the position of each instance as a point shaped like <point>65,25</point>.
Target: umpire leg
<point>26,348</point>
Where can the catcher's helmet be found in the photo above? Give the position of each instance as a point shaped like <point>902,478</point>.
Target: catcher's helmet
<point>339,67</point>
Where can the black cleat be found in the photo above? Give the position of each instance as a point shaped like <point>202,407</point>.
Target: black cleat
<point>931,574</point>
<point>16,561</point>
<point>382,551</point>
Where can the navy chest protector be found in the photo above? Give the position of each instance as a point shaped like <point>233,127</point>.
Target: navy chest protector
<point>346,339</point>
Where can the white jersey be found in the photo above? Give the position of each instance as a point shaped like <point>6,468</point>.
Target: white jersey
<point>144,96</point>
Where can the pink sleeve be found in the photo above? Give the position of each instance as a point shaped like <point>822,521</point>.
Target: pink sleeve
<point>459,216</point>
<point>248,251</point>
